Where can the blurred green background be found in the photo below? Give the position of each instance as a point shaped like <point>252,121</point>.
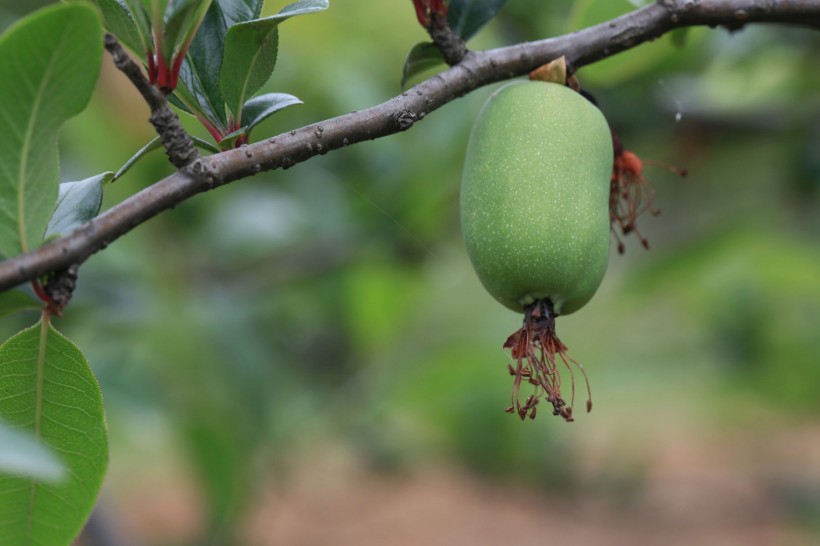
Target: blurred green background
<point>306,357</point>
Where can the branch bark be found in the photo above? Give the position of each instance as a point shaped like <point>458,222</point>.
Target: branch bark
<point>400,113</point>
<point>452,47</point>
<point>177,143</point>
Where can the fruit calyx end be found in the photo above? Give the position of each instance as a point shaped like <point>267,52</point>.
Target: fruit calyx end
<point>536,352</point>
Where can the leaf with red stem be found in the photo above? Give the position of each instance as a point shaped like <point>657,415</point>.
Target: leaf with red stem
<point>251,49</point>
<point>142,24</point>
<point>229,60</point>
<point>181,22</point>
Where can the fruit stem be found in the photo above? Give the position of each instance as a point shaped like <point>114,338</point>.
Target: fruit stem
<point>534,348</point>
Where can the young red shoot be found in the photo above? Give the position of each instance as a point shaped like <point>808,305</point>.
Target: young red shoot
<point>163,76</point>
<point>215,132</point>
<point>152,67</point>
<point>536,352</point>
<point>426,8</point>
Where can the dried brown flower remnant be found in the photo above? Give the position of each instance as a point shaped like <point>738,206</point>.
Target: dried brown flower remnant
<point>536,351</point>
<point>630,194</point>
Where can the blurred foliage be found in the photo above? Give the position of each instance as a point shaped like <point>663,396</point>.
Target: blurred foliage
<point>333,303</point>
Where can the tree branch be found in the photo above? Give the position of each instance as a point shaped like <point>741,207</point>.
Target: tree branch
<point>400,113</point>
<point>452,47</point>
<point>177,142</point>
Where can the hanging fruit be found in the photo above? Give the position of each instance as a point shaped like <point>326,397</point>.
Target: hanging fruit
<point>535,219</point>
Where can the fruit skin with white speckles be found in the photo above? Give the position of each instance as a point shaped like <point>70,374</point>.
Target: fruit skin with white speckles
<point>535,196</point>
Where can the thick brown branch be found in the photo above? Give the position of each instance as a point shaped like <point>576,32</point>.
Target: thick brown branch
<point>177,142</point>
<point>398,114</point>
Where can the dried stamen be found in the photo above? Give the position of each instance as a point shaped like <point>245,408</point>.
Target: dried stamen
<point>630,194</point>
<point>534,348</point>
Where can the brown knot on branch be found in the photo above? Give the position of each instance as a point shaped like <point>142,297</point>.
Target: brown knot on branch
<point>177,142</point>
<point>59,287</point>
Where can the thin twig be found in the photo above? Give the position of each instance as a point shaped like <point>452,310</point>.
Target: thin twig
<point>400,113</point>
<point>177,142</point>
<point>451,45</point>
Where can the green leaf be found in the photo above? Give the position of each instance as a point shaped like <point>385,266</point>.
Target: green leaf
<point>183,19</point>
<point>157,8</point>
<point>118,21</point>
<point>423,56</point>
<point>259,108</point>
<point>200,71</point>
<point>229,141</point>
<point>181,97</point>
<point>250,56</point>
<point>195,96</point>
<point>250,53</point>
<point>204,145</point>
<point>156,144</point>
<point>21,455</point>
<point>679,36</point>
<point>239,11</point>
<point>48,389</point>
<point>142,24</point>
<point>77,203</point>
<point>466,17</point>
<point>12,301</point>
<point>49,61</point>
<point>301,7</point>
<point>152,145</point>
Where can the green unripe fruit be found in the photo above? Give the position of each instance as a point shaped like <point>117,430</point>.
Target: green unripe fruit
<point>535,196</point>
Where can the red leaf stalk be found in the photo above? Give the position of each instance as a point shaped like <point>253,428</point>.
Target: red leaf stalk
<point>426,8</point>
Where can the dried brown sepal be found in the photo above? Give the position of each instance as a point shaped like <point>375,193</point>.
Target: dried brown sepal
<point>554,71</point>
<point>536,352</point>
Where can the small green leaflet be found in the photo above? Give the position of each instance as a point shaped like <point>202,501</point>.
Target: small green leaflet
<point>155,144</point>
<point>49,391</point>
<point>466,17</point>
<point>232,56</point>
<point>423,56</point>
<point>142,24</point>
<point>49,61</point>
<point>259,108</point>
<point>77,203</point>
<point>118,21</point>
